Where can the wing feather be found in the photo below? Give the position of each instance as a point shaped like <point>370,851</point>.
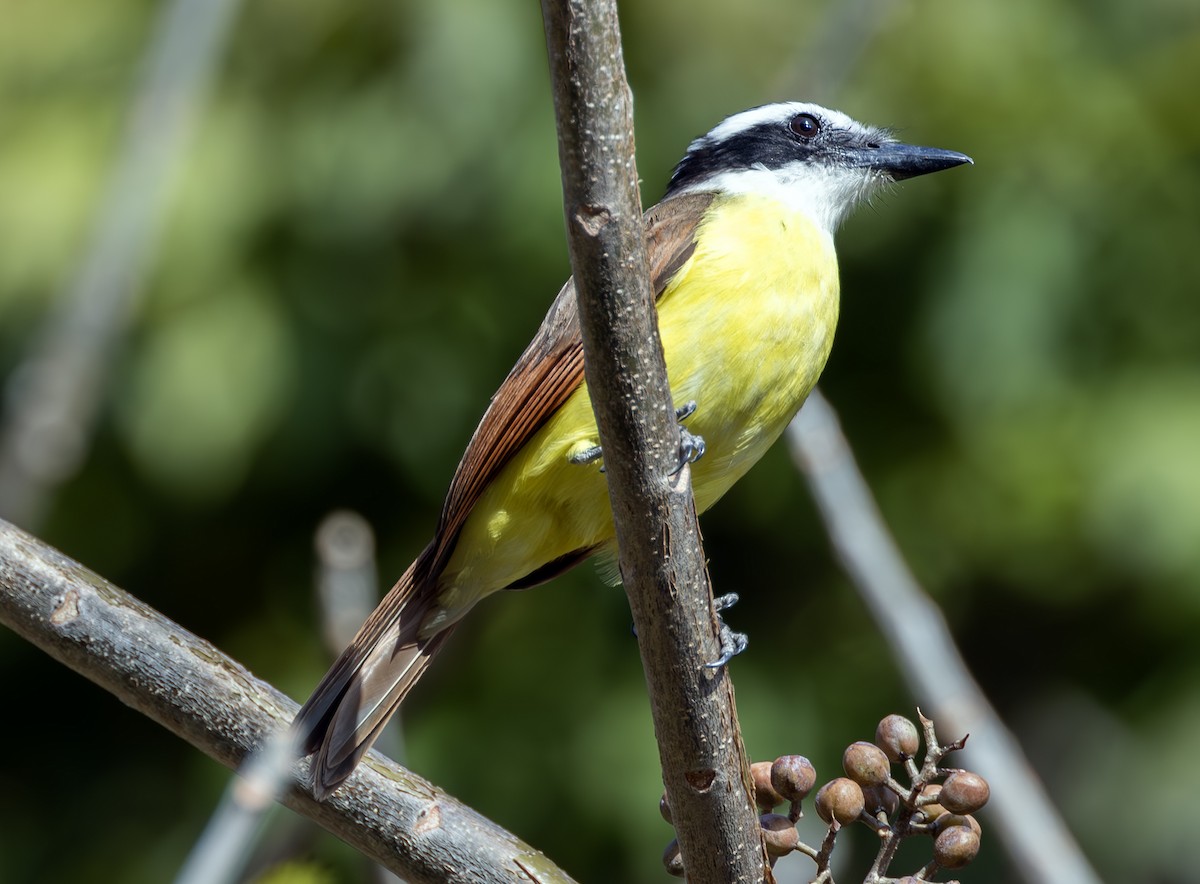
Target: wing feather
<point>551,368</point>
<point>364,687</point>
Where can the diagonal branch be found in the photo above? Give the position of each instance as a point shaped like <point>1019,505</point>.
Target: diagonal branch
<point>54,396</point>
<point>704,763</point>
<point>199,694</point>
<point>1032,830</point>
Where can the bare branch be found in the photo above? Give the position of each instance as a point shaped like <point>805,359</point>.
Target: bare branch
<point>704,766</point>
<point>199,694</point>
<point>220,854</point>
<point>347,588</point>
<point>347,576</point>
<point>53,397</point>
<point>1029,826</point>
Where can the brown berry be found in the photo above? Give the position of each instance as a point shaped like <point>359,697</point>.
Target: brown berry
<point>880,798</point>
<point>765,795</point>
<point>964,792</point>
<point>841,800</point>
<point>928,802</point>
<point>673,860</point>
<point>866,764</point>
<point>665,808</point>
<point>955,847</point>
<point>793,777</point>
<point>779,833</point>
<point>949,820</point>
<point>897,737</point>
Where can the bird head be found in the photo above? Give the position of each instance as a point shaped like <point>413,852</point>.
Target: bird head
<point>815,159</point>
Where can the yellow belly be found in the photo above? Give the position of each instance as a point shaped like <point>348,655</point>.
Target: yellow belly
<point>746,325</point>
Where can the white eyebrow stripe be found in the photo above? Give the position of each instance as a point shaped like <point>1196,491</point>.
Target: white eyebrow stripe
<point>771,113</point>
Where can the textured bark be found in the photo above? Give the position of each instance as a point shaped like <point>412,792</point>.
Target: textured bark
<point>662,563</point>
<point>196,692</point>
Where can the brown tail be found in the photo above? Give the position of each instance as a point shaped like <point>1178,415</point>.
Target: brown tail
<point>365,686</point>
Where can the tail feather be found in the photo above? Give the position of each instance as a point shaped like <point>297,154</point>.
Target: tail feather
<point>355,699</point>
<point>357,721</point>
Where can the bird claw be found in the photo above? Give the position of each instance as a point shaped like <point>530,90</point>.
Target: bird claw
<point>732,643</point>
<point>587,456</point>
<point>691,446</point>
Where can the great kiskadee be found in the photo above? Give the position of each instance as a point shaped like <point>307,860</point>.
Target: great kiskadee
<point>746,281</point>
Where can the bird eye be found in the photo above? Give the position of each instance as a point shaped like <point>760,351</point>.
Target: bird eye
<point>805,125</point>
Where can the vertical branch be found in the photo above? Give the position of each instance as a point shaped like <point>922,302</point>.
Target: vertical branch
<point>662,563</point>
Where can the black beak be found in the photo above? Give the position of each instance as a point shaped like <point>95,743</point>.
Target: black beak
<point>900,161</point>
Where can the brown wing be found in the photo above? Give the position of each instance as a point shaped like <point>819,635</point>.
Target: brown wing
<point>371,678</point>
<point>551,369</point>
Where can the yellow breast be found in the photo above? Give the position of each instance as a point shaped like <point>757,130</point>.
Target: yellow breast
<point>746,325</point>
<point>747,329</point>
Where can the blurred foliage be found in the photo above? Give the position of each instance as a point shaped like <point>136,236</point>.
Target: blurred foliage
<point>366,232</point>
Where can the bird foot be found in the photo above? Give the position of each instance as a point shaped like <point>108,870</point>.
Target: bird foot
<point>691,446</point>
<point>732,643</point>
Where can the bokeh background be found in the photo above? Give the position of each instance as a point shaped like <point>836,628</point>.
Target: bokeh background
<point>367,228</point>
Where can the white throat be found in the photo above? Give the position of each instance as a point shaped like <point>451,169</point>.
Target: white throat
<point>825,194</point>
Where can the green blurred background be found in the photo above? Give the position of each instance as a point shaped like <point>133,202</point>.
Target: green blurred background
<point>367,229</point>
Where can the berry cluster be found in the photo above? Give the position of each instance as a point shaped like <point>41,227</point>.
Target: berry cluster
<point>938,802</point>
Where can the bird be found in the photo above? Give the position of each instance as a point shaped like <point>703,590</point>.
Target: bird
<point>746,284</point>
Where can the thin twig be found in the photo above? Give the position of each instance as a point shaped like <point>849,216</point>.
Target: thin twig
<point>53,397</point>
<point>220,854</point>
<point>347,582</point>
<point>831,50</point>
<point>348,589</point>
<point>347,578</point>
<point>1042,848</point>
<point>199,694</point>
